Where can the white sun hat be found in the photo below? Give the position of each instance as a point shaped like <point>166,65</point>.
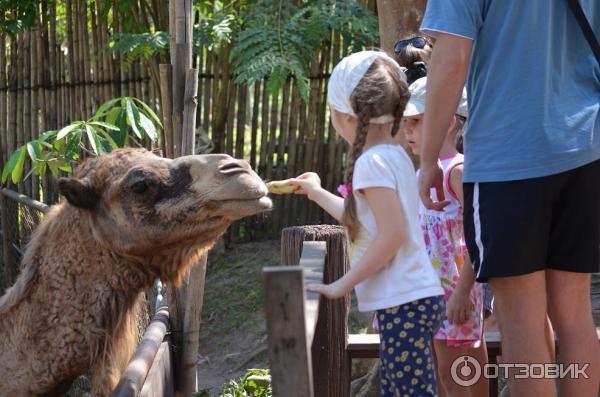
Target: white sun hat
<point>345,77</point>
<point>416,103</point>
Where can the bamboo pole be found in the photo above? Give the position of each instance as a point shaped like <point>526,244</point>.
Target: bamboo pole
<point>3,92</point>
<point>166,76</point>
<point>52,67</point>
<point>254,128</point>
<point>272,135</point>
<point>189,111</point>
<point>9,209</point>
<point>227,141</point>
<point>20,91</point>
<point>85,50</point>
<point>207,97</point>
<point>36,94</point>
<point>295,107</point>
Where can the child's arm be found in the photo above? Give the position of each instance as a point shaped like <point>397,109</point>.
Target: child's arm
<point>459,303</point>
<point>310,185</point>
<point>391,234</point>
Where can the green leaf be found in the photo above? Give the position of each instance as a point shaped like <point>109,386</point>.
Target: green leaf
<point>53,165</point>
<point>46,135</point>
<point>148,126</point>
<point>112,145</point>
<point>68,129</point>
<point>72,146</point>
<point>104,125</point>
<point>11,163</point>
<point>65,167</point>
<point>105,107</point>
<point>18,170</point>
<point>121,137</point>
<point>148,112</point>
<point>93,139</point>
<point>33,148</point>
<point>112,115</point>
<point>132,112</point>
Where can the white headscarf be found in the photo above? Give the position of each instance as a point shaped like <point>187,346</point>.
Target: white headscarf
<point>345,77</point>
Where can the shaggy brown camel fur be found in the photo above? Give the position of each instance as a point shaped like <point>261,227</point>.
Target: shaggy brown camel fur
<point>129,217</point>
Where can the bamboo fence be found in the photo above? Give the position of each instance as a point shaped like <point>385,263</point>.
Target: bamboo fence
<point>48,80</point>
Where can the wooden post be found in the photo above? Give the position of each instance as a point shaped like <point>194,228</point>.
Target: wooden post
<point>179,104</point>
<point>329,355</point>
<point>291,320</point>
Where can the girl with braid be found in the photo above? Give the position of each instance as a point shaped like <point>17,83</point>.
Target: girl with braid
<point>389,267</point>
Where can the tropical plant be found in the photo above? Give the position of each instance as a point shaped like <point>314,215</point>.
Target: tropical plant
<point>15,15</point>
<point>118,122</point>
<point>270,39</point>
<point>280,39</point>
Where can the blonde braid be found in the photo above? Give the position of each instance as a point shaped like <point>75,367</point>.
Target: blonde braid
<point>350,216</point>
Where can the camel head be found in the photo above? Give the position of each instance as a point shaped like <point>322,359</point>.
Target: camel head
<point>143,206</point>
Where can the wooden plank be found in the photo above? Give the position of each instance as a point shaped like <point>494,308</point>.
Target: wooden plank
<point>160,379</point>
<point>313,261</point>
<point>289,354</point>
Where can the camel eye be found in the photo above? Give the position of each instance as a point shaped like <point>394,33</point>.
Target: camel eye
<point>139,187</point>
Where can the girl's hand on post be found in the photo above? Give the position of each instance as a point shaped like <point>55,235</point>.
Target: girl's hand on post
<point>334,290</point>
<point>309,184</point>
<point>458,307</point>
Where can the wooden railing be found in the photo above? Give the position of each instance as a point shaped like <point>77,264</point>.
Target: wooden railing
<point>307,337</point>
<point>150,370</point>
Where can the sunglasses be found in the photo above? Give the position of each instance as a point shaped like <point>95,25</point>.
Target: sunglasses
<point>417,42</point>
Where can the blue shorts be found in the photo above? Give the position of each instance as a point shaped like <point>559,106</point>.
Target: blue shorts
<point>406,351</point>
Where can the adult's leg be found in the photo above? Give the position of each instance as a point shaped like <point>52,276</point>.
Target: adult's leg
<point>570,309</point>
<point>550,335</point>
<point>522,316</point>
<point>481,388</point>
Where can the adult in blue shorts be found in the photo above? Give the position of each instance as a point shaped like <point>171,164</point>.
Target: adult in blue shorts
<point>531,172</point>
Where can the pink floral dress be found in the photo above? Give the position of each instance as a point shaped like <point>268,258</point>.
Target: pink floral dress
<point>444,238</point>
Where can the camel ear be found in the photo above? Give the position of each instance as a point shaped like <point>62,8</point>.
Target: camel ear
<point>79,192</point>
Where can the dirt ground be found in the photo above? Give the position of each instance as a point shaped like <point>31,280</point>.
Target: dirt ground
<point>233,335</point>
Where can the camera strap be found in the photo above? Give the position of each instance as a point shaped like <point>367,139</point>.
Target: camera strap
<point>586,28</point>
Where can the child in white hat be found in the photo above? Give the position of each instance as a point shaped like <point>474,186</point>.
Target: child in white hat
<point>462,332</point>
<point>390,270</point>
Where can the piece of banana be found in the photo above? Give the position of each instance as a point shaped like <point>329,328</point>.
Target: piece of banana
<point>281,187</point>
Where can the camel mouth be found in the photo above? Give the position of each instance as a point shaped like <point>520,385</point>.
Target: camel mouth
<point>262,200</point>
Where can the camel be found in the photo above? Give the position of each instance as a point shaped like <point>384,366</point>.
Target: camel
<point>129,217</point>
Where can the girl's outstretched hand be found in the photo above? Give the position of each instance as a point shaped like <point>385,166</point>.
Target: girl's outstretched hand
<point>309,184</point>
<point>459,306</point>
<point>334,290</point>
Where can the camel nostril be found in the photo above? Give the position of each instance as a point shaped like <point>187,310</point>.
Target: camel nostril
<point>233,167</point>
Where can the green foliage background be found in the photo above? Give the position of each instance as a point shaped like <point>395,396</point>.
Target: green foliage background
<point>268,38</point>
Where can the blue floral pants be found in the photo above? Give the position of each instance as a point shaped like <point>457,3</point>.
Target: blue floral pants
<point>406,350</point>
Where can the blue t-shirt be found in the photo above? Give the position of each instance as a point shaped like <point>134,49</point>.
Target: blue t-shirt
<point>533,85</point>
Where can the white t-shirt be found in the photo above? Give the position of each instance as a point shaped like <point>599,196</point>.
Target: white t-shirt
<point>410,275</point>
